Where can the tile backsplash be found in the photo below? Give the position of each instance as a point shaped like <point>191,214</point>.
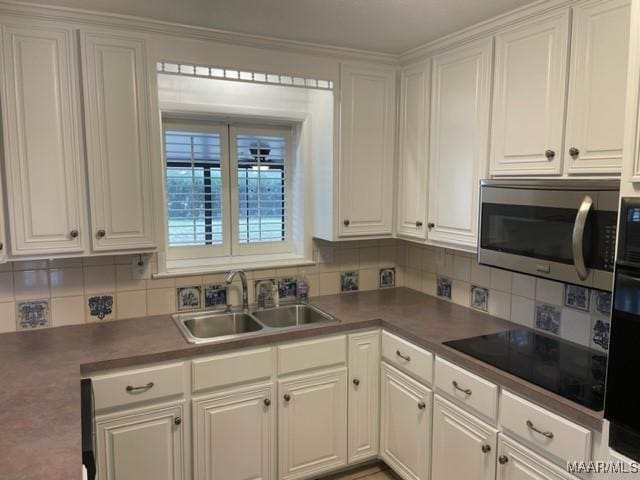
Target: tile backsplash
<point>40,294</point>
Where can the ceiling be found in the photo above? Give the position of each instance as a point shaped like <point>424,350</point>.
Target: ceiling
<point>385,26</point>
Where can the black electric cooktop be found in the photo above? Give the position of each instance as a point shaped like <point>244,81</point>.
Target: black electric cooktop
<point>565,368</point>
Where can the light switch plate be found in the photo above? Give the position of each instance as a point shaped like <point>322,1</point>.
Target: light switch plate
<point>140,267</point>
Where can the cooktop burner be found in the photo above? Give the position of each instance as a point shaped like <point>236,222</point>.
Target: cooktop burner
<point>565,368</point>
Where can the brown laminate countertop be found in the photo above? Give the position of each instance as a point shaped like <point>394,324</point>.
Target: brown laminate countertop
<point>40,370</point>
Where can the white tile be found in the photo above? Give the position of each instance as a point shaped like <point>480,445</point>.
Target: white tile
<point>125,280</point>
<point>66,282</point>
<point>329,283</point>
<point>387,256</point>
<point>575,326</point>
<point>401,254</point>
<point>369,257</point>
<point>445,264</point>
<point>480,274</point>
<point>132,304</point>
<point>429,283</point>
<point>500,304</point>
<point>6,286</point>
<point>523,285</point>
<point>326,254</point>
<point>500,280</point>
<point>98,260</point>
<point>101,278</point>
<point>549,291</point>
<point>413,279</point>
<point>67,310</point>
<point>168,282</point>
<point>65,262</point>
<point>314,285</point>
<point>369,278</point>
<point>461,268</point>
<point>31,284</point>
<point>460,293</point>
<point>7,317</point>
<point>414,257</point>
<point>429,260</point>
<point>348,259</point>
<point>30,265</point>
<point>522,310</point>
<point>190,281</point>
<point>161,301</point>
<point>400,280</point>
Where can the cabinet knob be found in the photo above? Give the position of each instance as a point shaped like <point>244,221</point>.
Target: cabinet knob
<point>346,223</point>
<point>356,381</point>
<point>177,421</point>
<point>418,224</point>
<point>574,152</point>
<point>486,448</point>
<point>430,225</point>
<point>287,397</point>
<point>267,402</point>
<point>73,233</point>
<point>101,233</point>
<point>550,154</point>
<point>502,459</point>
<point>421,405</point>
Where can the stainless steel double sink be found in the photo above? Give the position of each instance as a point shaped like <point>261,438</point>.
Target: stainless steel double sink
<point>208,326</point>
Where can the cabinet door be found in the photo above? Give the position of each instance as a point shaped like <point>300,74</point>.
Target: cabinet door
<point>116,91</point>
<point>42,137</point>
<point>141,444</point>
<point>364,395</point>
<point>459,141</point>
<point>597,86</point>
<point>367,126</point>
<point>312,417</point>
<point>234,434</point>
<point>530,94</point>
<point>405,428</point>
<point>412,162</point>
<point>464,448</point>
<point>516,462</point>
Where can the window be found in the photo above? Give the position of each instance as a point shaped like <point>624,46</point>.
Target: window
<point>225,201</point>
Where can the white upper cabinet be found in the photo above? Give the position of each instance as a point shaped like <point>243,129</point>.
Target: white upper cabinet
<point>412,160</point>
<point>460,98</point>
<point>367,150</point>
<point>597,87</point>
<point>42,139</point>
<point>529,100</point>
<point>117,85</point>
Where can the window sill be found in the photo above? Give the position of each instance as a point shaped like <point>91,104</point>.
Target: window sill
<point>179,268</point>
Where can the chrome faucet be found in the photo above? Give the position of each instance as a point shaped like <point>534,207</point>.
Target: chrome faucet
<point>245,292</point>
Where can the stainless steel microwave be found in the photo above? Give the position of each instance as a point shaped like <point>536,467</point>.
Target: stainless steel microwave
<point>563,230</point>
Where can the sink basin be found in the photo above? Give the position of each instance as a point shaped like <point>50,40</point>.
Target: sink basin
<point>291,316</point>
<point>203,327</point>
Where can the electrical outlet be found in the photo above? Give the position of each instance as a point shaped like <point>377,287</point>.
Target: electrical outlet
<point>140,267</point>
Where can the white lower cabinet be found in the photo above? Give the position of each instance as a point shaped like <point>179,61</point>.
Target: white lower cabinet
<point>312,423</point>
<point>142,444</point>
<point>464,448</point>
<point>405,424</point>
<point>516,462</point>
<point>234,435</point>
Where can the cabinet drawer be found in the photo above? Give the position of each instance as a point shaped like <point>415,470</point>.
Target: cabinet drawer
<point>469,389</point>
<point>122,388</point>
<point>317,353</point>
<point>407,357</point>
<point>547,431</point>
<point>230,368</point>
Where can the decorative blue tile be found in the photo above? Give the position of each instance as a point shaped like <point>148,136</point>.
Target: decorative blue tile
<point>444,287</point>
<point>576,297</point>
<point>600,334</point>
<point>33,314</point>
<point>349,281</point>
<point>547,317</point>
<point>101,306</point>
<point>215,295</point>
<point>387,277</point>
<point>189,298</point>
<point>287,288</point>
<point>480,298</point>
<point>602,302</point>
<point>263,290</point>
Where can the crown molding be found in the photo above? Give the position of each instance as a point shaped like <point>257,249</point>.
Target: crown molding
<point>113,20</point>
<point>485,28</point>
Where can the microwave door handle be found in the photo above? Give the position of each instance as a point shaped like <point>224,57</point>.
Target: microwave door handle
<point>578,237</point>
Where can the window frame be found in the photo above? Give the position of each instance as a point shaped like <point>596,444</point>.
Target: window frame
<point>200,251</point>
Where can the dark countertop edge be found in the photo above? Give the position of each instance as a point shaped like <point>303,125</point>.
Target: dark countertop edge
<point>545,398</point>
